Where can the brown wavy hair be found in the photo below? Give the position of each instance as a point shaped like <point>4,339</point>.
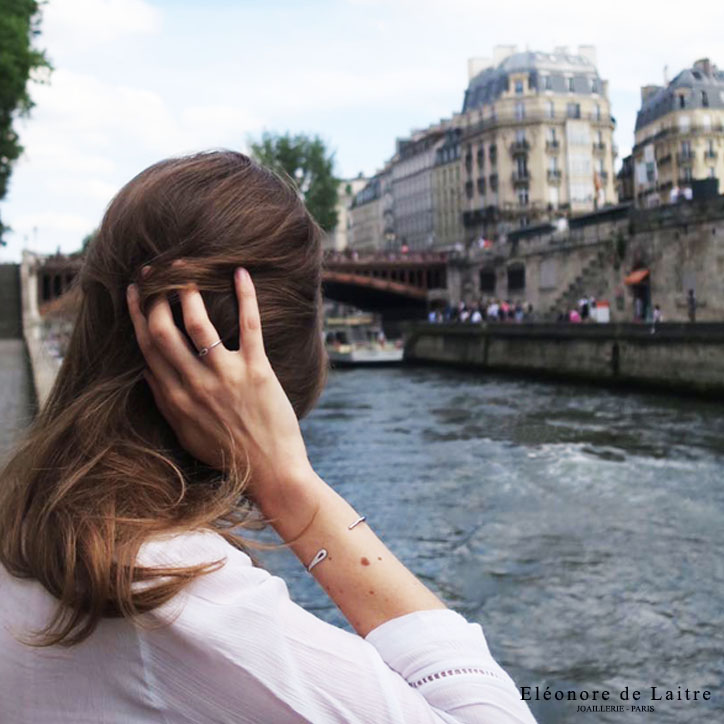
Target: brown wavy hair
<point>100,471</point>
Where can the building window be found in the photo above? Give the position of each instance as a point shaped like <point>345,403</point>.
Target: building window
<point>594,85</point>
<point>552,134</point>
<point>487,280</point>
<point>687,173</point>
<point>551,109</point>
<point>516,278</point>
<point>481,156</point>
<point>519,111</point>
<point>598,112</point>
<point>493,153</point>
<point>523,197</point>
<point>469,189</point>
<point>521,166</point>
<point>704,99</point>
<point>520,135</point>
<point>481,185</point>
<point>553,163</point>
<point>548,83</point>
<point>712,172</point>
<point>493,181</point>
<point>571,84</point>
<point>574,110</point>
<point>518,87</point>
<point>682,101</point>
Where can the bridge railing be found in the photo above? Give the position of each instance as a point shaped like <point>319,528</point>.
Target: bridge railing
<point>351,256</point>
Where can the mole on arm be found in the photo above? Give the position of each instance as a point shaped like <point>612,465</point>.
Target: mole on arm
<point>364,561</point>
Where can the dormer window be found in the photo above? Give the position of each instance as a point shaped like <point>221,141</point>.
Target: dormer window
<point>571,85</point>
<point>704,99</point>
<point>518,87</point>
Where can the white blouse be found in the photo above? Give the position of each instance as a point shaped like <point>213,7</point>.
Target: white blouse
<point>237,649</point>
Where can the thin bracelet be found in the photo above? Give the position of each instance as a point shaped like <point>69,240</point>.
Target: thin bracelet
<point>322,552</point>
<point>321,555</point>
<point>357,522</point>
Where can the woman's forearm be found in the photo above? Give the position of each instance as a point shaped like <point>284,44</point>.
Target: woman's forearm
<point>360,574</point>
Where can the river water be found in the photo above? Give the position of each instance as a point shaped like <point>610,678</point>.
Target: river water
<point>582,528</point>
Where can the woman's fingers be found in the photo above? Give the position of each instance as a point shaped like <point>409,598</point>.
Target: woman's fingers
<point>251,341</point>
<point>199,326</point>
<point>169,341</point>
<point>154,359</point>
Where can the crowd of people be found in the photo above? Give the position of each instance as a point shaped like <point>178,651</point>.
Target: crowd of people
<point>583,311</point>
<point>492,310</point>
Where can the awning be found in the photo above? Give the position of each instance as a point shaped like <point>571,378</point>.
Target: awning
<point>636,277</point>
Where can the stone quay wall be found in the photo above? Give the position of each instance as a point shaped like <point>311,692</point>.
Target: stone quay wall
<point>677,357</point>
<point>43,362</point>
<point>682,246</point>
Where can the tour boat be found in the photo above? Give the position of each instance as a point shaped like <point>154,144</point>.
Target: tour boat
<point>359,340</point>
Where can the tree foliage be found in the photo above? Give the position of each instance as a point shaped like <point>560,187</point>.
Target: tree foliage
<point>307,162</point>
<point>19,25</point>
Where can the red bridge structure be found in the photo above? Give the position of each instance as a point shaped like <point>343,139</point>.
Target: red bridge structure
<point>401,285</point>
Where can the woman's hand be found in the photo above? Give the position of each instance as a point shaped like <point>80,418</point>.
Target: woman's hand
<point>226,399</point>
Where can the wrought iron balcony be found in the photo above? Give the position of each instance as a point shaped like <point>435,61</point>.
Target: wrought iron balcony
<point>553,146</point>
<point>710,153</point>
<point>599,147</point>
<point>521,178</point>
<point>554,175</point>
<point>685,156</point>
<point>518,148</point>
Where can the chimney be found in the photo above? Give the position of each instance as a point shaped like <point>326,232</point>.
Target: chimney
<point>647,91</point>
<point>588,52</point>
<point>478,65</point>
<point>501,52</point>
<point>704,65</point>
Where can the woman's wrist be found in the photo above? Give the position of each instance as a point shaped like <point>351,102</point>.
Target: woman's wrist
<point>293,497</point>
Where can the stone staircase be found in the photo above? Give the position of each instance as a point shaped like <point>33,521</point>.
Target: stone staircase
<point>586,283</point>
<point>11,326</point>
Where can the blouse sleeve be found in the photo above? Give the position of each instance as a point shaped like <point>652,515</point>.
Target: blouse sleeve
<point>237,649</point>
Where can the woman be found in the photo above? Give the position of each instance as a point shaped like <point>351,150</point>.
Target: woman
<point>127,591</point>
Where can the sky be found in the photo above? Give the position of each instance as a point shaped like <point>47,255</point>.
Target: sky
<point>136,81</point>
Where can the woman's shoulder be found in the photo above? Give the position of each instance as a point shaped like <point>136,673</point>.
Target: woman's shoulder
<point>189,548</point>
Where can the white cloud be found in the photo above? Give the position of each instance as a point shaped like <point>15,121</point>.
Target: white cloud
<point>97,22</point>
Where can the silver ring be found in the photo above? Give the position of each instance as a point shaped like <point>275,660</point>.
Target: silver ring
<point>205,350</point>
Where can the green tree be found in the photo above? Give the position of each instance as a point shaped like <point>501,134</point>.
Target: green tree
<point>308,163</point>
<point>19,25</point>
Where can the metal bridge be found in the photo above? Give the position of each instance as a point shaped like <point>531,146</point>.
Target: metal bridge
<point>401,284</point>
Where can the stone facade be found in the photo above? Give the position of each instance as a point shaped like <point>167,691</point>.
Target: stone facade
<point>537,140</point>
<point>413,188</point>
<point>680,246</point>
<point>447,195</point>
<point>338,240</point>
<point>679,134</point>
